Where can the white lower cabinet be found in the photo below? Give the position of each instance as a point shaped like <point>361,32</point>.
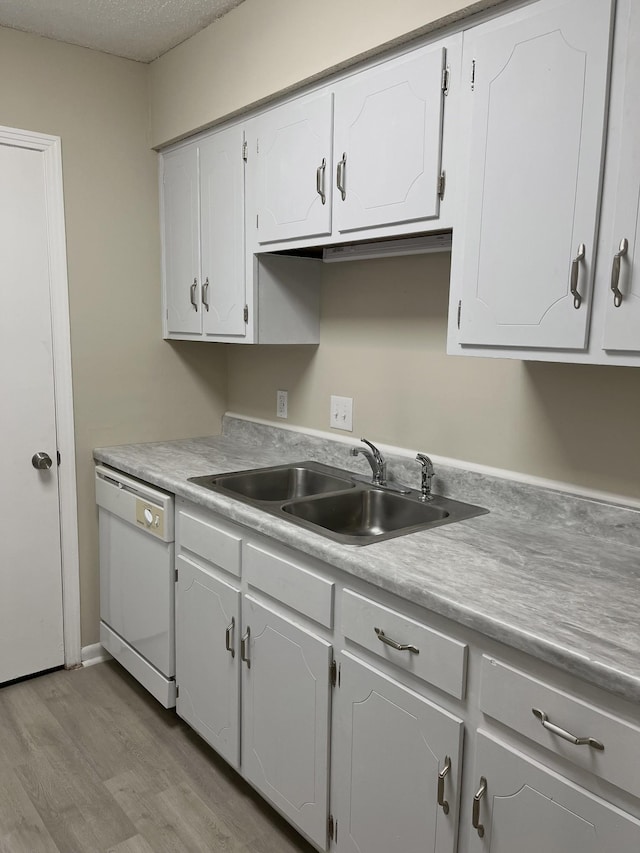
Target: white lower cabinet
<point>285,724</point>
<point>364,754</point>
<point>521,806</point>
<point>207,639</point>
<point>397,766</point>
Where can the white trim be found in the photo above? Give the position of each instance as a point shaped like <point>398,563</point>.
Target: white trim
<point>502,473</point>
<point>50,146</point>
<point>94,653</point>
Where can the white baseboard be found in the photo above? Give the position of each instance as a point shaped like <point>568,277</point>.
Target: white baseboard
<point>94,654</point>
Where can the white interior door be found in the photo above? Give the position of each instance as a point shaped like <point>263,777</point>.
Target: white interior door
<point>31,637</point>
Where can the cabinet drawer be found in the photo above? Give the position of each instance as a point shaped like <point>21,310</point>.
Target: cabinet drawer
<point>298,588</point>
<point>510,696</point>
<point>210,540</point>
<point>439,659</point>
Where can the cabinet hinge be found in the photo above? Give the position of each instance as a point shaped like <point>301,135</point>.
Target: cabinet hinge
<point>245,150</point>
<point>473,74</point>
<point>175,575</point>
<point>246,313</point>
<point>332,828</point>
<point>459,311</point>
<point>257,215</point>
<point>177,691</point>
<point>333,673</point>
<point>442,181</point>
<point>58,458</point>
<point>445,80</point>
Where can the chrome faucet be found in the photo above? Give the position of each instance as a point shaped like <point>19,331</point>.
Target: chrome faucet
<point>376,461</point>
<point>427,476</point>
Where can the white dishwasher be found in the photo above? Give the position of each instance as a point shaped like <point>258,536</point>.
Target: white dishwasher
<point>137,580</point>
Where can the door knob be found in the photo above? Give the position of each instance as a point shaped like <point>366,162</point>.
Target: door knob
<point>41,460</point>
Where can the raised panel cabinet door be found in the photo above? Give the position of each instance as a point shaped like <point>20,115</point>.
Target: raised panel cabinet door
<point>395,754</point>
<point>293,169</point>
<point>207,657</point>
<point>181,248</point>
<point>525,807</point>
<point>622,321</point>
<point>534,83</point>
<point>222,233</point>
<point>387,143</point>
<point>285,723</point>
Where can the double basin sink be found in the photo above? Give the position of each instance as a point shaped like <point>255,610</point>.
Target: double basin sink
<point>336,503</point>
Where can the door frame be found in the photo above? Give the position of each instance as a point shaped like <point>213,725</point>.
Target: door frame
<point>50,147</point>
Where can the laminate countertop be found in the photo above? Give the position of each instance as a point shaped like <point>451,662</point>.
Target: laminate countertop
<point>552,574</point>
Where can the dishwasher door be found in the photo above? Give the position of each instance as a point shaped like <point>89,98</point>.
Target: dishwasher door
<point>137,577</point>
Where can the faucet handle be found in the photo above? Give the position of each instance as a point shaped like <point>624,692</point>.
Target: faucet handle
<point>376,453</point>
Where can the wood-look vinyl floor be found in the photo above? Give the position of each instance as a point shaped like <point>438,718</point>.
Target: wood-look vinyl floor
<point>90,763</point>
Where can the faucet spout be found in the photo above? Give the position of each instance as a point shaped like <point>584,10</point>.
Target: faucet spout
<point>375,459</point>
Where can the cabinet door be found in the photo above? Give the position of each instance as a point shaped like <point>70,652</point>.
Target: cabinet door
<point>622,323</point>
<point>222,233</point>
<point>529,809</point>
<point>388,131</point>
<point>181,250</point>
<point>294,169</point>
<point>207,659</point>
<point>390,745</point>
<point>285,727</point>
<point>535,92</point>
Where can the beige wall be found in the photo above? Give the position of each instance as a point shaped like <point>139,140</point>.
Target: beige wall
<point>383,334</point>
<point>129,385</point>
<point>268,46</point>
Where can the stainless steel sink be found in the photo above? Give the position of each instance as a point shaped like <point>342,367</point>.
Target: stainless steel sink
<point>280,483</point>
<point>336,503</point>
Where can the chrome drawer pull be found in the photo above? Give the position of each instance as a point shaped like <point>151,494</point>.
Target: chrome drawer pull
<point>205,294</point>
<point>228,635</point>
<point>192,291</point>
<point>441,777</point>
<point>564,734</point>
<point>475,817</point>
<point>244,648</point>
<point>615,272</point>
<point>320,180</point>
<point>575,268</point>
<point>401,647</point>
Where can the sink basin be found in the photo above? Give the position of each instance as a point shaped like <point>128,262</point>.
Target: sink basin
<point>336,503</point>
<point>278,484</point>
<point>370,514</point>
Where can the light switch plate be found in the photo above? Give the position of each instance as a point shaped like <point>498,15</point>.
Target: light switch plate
<point>341,413</point>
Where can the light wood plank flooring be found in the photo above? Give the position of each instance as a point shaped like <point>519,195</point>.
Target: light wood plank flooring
<point>90,763</point>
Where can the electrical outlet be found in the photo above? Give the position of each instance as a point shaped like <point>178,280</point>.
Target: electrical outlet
<point>341,413</point>
<point>282,402</point>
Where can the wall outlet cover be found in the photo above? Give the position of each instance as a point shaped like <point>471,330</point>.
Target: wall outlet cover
<point>341,413</point>
<point>282,404</point>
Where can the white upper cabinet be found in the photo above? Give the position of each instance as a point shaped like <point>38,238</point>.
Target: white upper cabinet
<point>181,248</point>
<point>387,141</point>
<point>534,101</point>
<point>222,233</point>
<point>622,317</point>
<point>203,245</point>
<point>293,169</point>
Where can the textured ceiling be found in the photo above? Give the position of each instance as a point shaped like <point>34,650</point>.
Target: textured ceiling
<point>135,29</point>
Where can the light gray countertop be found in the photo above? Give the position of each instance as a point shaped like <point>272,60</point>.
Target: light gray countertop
<point>551,574</point>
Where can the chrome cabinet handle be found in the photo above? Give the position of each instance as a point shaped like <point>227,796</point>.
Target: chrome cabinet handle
<point>615,271</point>
<point>320,180</point>
<point>401,647</point>
<point>340,174</point>
<point>244,648</point>
<point>563,733</point>
<point>228,635</point>
<point>475,817</point>
<point>205,293</point>
<point>575,269</point>
<point>441,777</point>
<point>193,294</point>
